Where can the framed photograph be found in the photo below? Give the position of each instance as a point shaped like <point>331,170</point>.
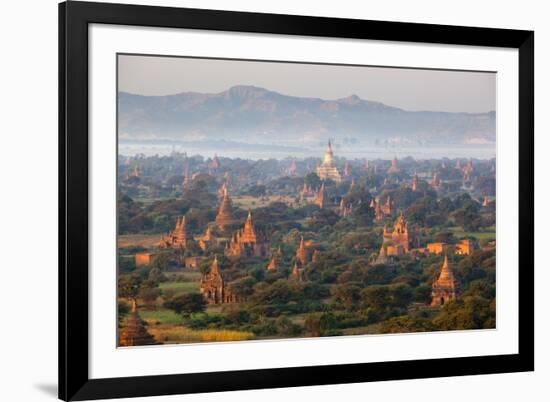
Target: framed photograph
<point>258,200</point>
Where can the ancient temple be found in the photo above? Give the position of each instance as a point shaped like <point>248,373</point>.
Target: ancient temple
<point>346,170</point>
<point>378,213</point>
<point>387,208</point>
<point>214,164</point>
<point>305,192</point>
<point>382,210</point>
<point>207,240</point>
<point>352,185</point>
<point>465,247</point>
<point>213,287</point>
<point>224,216</point>
<point>185,183</point>
<point>398,241</point>
<point>345,210</point>
<point>296,273</point>
<point>272,266</point>
<point>327,170</point>
<point>468,170</point>
<point>134,332</point>
<point>178,237</point>
<point>321,198</point>
<point>222,190</point>
<point>414,185</point>
<point>366,166</point>
<point>245,242</point>
<point>458,166</point>
<point>382,257</point>
<point>394,168</point>
<point>444,287</point>
<point>302,253</point>
<point>436,182</point>
<point>291,170</point>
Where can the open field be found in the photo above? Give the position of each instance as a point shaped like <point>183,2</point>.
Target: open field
<point>250,202</point>
<point>459,232</point>
<point>189,275</point>
<point>161,315</point>
<point>142,240</point>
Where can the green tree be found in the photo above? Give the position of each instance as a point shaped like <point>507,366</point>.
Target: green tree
<point>129,286</point>
<point>423,293</point>
<point>312,180</point>
<point>347,294</point>
<point>123,309</point>
<point>186,303</point>
<point>243,287</point>
<point>466,313</point>
<point>286,327</point>
<point>149,295</point>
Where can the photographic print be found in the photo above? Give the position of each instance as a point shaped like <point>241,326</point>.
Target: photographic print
<point>265,200</point>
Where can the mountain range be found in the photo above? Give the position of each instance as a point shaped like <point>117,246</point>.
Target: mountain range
<point>257,115</point>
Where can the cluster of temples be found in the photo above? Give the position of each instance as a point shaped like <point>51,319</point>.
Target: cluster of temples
<point>397,239</point>
<point>381,211</point>
<point>245,242</point>
<point>402,240</point>
<point>232,238</point>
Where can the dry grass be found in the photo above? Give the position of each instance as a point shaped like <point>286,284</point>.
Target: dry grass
<point>138,240</point>
<point>185,335</point>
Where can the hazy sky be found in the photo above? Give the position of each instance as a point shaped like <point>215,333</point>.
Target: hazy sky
<point>450,91</point>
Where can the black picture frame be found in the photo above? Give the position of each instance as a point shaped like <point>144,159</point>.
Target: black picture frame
<point>74,18</point>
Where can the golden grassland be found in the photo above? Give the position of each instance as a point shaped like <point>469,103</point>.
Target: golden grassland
<point>180,334</point>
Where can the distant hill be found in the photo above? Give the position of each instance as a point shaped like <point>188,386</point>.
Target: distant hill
<point>257,115</point>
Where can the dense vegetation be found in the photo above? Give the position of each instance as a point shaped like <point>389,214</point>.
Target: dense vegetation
<point>342,291</point>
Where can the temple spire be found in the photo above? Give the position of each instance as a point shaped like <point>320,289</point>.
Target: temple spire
<point>444,287</point>
<point>446,272</point>
<point>224,217</point>
<point>320,199</point>
<point>327,170</point>
<point>214,267</point>
<point>296,274</point>
<point>249,233</point>
<point>272,264</point>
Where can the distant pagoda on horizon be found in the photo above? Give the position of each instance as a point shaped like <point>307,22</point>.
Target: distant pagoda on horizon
<point>327,170</point>
<point>394,168</point>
